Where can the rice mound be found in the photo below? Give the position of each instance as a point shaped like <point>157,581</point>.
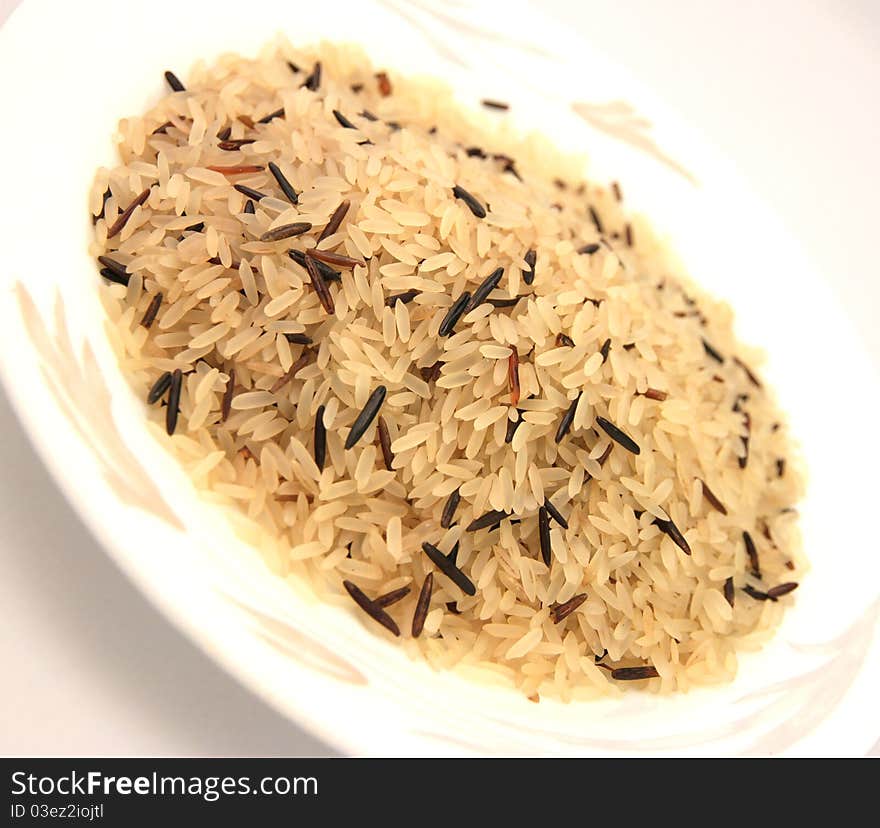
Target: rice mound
<point>653,578</point>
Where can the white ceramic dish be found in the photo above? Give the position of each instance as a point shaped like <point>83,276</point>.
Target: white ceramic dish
<point>811,691</point>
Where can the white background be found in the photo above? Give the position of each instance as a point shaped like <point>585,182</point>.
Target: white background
<point>92,669</point>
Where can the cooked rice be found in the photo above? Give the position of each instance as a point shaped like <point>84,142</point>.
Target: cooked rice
<point>614,332</point>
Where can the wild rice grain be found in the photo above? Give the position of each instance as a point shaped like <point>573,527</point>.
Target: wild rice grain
<point>634,673</point>
<point>567,419</point>
<point>449,569</point>
<point>250,192</point>
<point>392,597</point>
<point>752,552</point>
<point>618,435</point>
<point>159,387</point>
<point>342,120</point>
<point>555,513</point>
<point>152,309</point>
<point>113,276</point>
<point>561,611</point>
<point>320,442</point>
<point>713,500</point>
<point>320,286</point>
<point>748,372</point>
<point>385,443</point>
<point>447,326</point>
<point>780,590</point>
<point>486,287</point>
<point>286,187</point>
<point>422,605</point>
<point>597,222</point>
<point>712,352</point>
<point>297,366</point>
<point>371,608</point>
<point>530,259</point>
<point>331,258</point>
<point>384,84</point>
<point>562,339</point>
<point>490,104</point>
<point>328,274</point>
<point>313,81</point>
<point>513,375</point>
<point>484,521</point>
<point>367,415</point>
<point>729,593</point>
<point>669,528</point>
<point>405,297</point>
<point>544,535</point>
<point>335,220</point>
<point>286,231</point>
<point>473,205</point>
<point>226,402</point>
<point>449,509</point>
<point>174,82</point>
<point>589,249</point>
<point>173,408</point>
<point>125,215</point>
<point>605,350</point>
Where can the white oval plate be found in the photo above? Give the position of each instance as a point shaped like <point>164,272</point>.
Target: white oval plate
<point>810,691</point>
